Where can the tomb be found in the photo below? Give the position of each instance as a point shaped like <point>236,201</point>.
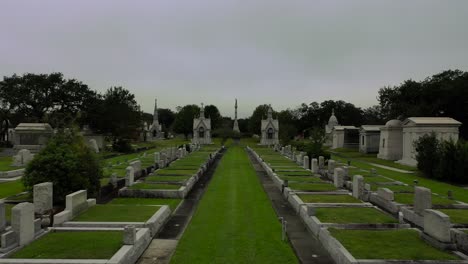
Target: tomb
<point>332,122</point>
<point>270,129</point>
<point>32,136</point>
<point>369,139</point>
<point>345,137</point>
<point>202,129</point>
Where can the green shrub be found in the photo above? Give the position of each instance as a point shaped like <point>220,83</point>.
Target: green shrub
<point>68,163</point>
<point>428,154</point>
<point>122,145</point>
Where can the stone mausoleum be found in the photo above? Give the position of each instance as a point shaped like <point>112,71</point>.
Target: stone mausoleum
<point>155,130</point>
<point>345,137</point>
<point>201,129</point>
<point>332,122</point>
<point>369,138</point>
<point>32,136</point>
<point>270,129</point>
<point>391,140</point>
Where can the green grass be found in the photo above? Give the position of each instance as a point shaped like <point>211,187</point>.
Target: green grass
<point>395,188</point>
<point>176,172</point>
<point>234,222</point>
<point>458,216</point>
<point>5,164</point>
<point>403,244</point>
<point>173,203</point>
<point>408,198</point>
<point>438,187</point>
<point>73,245</point>
<point>355,215</point>
<point>293,173</point>
<point>372,158</point>
<point>154,186</point>
<point>10,188</point>
<point>302,179</point>
<point>328,198</point>
<point>374,179</point>
<point>117,213</point>
<point>166,178</point>
<point>318,187</point>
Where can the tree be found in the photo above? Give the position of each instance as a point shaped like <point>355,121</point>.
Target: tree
<point>428,154</point>
<point>117,114</point>
<point>255,120</point>
<point>288,124</point>
<point>183,122</point>
<point>212,112</point>
<point>45,97</point>
<point>166,118</point>
<point>68,163</point>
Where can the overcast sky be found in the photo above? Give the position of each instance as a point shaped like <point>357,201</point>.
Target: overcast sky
<point>282,52</point>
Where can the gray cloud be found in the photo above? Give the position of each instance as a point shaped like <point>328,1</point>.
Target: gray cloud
<point>279,52</point>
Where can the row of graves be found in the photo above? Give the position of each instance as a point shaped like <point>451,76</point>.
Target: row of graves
<point>118,231</point>
<point>362,217</point>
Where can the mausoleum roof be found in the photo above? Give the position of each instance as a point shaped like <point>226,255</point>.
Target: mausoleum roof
<point>371,127</point>
<point>34,127</point>
<point>344,127</point>
<point>393,123</point>
<point>431,121</point>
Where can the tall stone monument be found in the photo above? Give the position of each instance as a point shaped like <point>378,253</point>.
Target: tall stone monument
<point>155,130</point>
<point>270,129</point>
<point>201,129</point>
<point>236,124</point>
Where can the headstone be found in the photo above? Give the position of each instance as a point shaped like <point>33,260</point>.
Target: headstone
<point>338,177</point>
<point>315,167</point>
<point>367,187</point>
<point>401,217</point>
<point>422,199</point>
<point>386,194</point>
<point>136,166</point>
<point>22,222</point>
<point>43,197</point>
<point>22,158</point>
<point>2,216</point>
<point>76,202</point>
<point>358,186</point>
<point>310,210</point>
<point>129,235</point>
<point>306,162</point>
<point>113,179</point>
<point>156,157</point>
<point>346,171</point>
<point>129,176</point>
<point>321,162</point>
<point>437,225</point>
<point>331,166</point>
<point>94,146</point>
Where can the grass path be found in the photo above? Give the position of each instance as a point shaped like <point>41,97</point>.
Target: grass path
<point>234,222</point>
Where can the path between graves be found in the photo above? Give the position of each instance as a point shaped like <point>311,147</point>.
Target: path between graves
<point>164,244</point>
<point>307,248</point>
<point>234,222</point>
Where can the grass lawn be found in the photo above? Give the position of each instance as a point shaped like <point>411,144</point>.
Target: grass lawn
<point>355,215</point>
<point>408,198</point>
<point>293,173</point>
<point>458,216</point>
<point>374,179</point>
<point>402,244</point>
<point>176,172</point>
<point>10,188</point>
<point>318,187</point>
<point>173,203</point>
<point>117,213</point>
<point>166,178</point>
<point>328,198</point>
<point>154,186</point>
<point>234,222</point>
<point>395,188</point>
<point>438,187</point>
<point>5,164</point>
<point>73,245</point>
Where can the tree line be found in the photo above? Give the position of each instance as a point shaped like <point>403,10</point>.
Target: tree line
<point>65,102</point>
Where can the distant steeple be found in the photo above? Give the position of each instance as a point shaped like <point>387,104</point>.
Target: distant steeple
<point>270,112</point>
<point>202,112</point>
<point>236,124</point>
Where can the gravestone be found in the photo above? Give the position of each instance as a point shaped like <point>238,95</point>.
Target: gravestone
<point>22,222</point>
<point>129,176</point>
<point>338,177</point>
<point>306,162</point>
<point>156,157</point>
<point>346,171</point>
<point>358,186</point>
<point>422,199</point>
<point>43,197</point>
<point>321,162</point>
<point>113,179</point>
<point>129,235</point>
<point>76,202</point>
<point>2,216</point>
<point>22,158</point>
<point>94,146</point>
<point>386,194</point>
<point>331,166</point>
<point>315,167</point>
<point>437,225</point>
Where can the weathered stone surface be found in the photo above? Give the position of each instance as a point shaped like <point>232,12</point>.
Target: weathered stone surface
<point>367,187</point>
<point>129,237</point>
<point>2,216</point>
<point>315,167</point>
<point>422,199</point>
<point>321,162</point>
<point>358,186</point>
<point>311,210</point>
<point>338,177</point>
<point>22,158</point>
<point>76,202</point>
<point>129,176</point>
<point>331,166</point>
<point>156,157</point>
<point>306,162</point>
<point>94,146</point>
<point>43,197</point>
<point>22,222</point>
<point>437,225</point>
<point>386,194</point>
<point>136,165</point>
